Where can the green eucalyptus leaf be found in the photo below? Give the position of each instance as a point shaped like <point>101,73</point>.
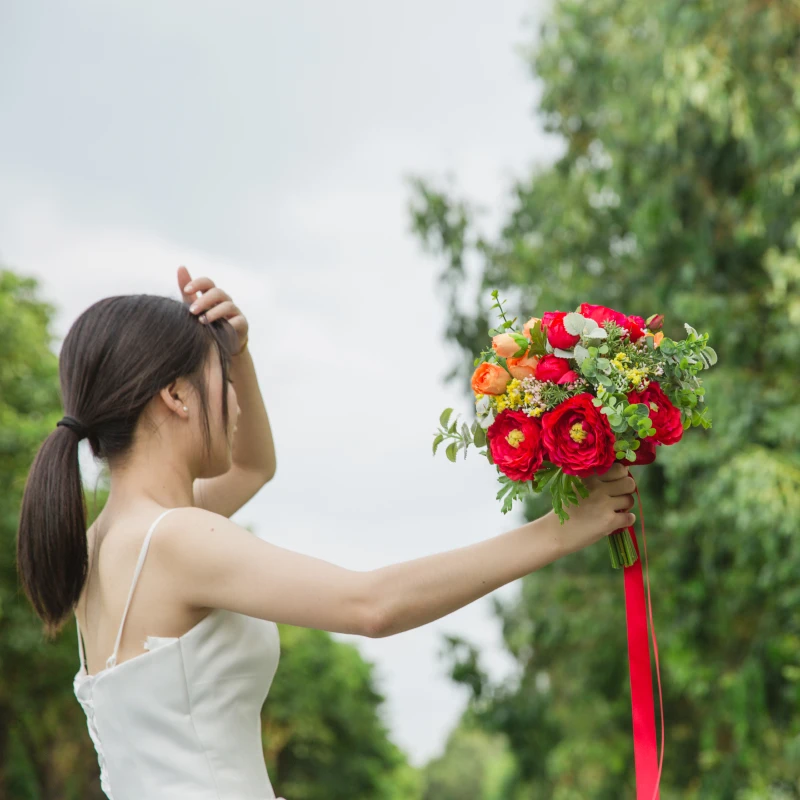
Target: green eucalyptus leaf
<point>667,346</point>
<point>581,353</point>
<point>598,333</point>
<point>574,323</point>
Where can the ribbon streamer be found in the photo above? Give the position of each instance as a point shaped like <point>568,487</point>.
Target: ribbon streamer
<point>648,769</point>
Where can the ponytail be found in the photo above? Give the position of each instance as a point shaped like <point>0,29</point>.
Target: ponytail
<point>52,554</point>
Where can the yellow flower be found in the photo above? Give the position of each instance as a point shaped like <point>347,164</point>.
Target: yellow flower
<point>514,393</point>
<point>635,376</point>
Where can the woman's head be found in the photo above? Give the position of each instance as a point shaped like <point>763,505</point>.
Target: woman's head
<point>128,366</point>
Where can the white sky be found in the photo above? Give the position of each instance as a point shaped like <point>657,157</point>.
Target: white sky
<point>266,145</point>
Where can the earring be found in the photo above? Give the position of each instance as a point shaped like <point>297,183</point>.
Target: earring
<point>185,409</point>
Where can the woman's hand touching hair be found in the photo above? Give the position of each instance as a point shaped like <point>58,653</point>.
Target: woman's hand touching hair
<point>213,303</point>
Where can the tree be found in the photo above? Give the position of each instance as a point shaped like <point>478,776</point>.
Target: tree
<point>474,764</point>
<point>322,736</point>
<point>677,193</point>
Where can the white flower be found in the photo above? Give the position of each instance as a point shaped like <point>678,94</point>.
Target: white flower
<point>487,420</point>
<point>482,405</point>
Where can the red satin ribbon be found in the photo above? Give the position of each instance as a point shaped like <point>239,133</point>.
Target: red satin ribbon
<point>648,770</point>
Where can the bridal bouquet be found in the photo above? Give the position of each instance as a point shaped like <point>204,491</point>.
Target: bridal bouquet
<point>573,392</point>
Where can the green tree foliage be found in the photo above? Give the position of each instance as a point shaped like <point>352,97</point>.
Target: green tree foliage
<point>322,737</point>
<point>677,192</point>
<point>474,764</point>
<point>323,732</point>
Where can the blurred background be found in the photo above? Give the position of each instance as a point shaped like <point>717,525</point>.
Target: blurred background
<point>365,174</point>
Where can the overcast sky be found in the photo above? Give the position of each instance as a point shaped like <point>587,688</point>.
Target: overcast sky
<point>267,146</point>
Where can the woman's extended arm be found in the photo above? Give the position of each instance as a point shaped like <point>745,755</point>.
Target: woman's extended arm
<point>213,562</point>
<point>413,593</point>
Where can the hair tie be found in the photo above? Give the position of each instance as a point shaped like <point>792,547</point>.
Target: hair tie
<point>74,425</point>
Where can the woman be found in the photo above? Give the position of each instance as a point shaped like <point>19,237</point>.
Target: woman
<point>174,711</point>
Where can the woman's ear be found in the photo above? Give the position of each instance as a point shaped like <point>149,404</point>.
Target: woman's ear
<point>175,398</point>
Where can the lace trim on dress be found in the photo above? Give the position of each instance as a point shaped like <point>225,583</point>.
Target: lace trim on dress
<point>86,701</point>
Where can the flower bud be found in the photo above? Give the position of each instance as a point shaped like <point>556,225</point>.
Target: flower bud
<point>655,323</point>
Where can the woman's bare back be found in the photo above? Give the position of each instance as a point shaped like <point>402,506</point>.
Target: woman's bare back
<point>114,545</point>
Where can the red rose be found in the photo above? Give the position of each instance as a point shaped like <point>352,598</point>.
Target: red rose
<point>578,438</point>
<point>600,314</point>
<point>515,441</point>
<point>632,324</point>
<point>568,377</point>
<point>635,327</point>
<point>557,334</point>
<point>551,368</point>
<point>667,420</point>
<point>646,454</point>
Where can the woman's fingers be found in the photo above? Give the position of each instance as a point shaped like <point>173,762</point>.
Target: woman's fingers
<point>616,471</point>
<point>202,284</point>
<point>622,502</point>
<point>184,281</point>
<point>208,300</point>
<point>226,308</point>
<point>625,485</point>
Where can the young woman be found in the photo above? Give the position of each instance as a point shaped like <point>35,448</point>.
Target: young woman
<point>174,710</point>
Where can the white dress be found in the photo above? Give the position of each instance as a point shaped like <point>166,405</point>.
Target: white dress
<point>183,721</point>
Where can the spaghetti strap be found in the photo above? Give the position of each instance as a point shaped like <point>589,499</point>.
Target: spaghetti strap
<point>112,659</point>
<point>80,643</point>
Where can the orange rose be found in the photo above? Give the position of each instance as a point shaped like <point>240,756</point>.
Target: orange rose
<point>526,328</point>
<point>489,379</point>
<point>656,337</point>
<point>504,345</point>
<point>523,367</point>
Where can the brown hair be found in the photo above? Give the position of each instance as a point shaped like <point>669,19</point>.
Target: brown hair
<point>118,354</point>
